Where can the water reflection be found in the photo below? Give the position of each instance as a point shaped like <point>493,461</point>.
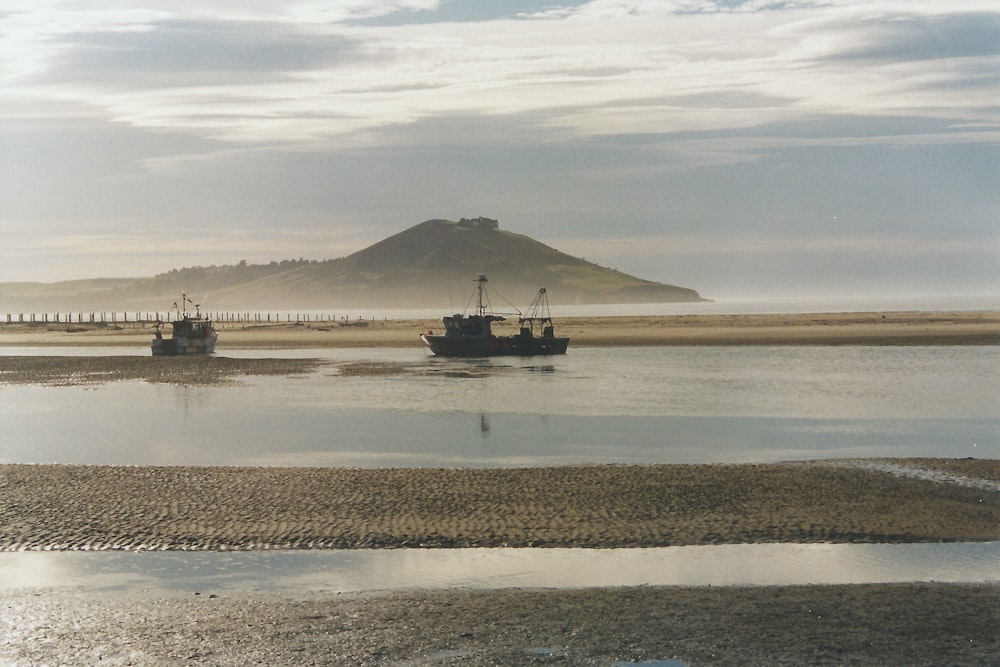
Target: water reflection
<point>137,424</point>
<point>367,570</point>
<point>612,405</point>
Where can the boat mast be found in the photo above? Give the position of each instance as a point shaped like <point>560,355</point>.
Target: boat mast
<point>538,311</point>
<point>481,287</point>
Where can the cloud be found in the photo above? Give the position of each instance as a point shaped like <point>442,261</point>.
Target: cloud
<point>593,68</point>
<point>186,49</point>
<point>722,121</point>
<point>923,38</point>
<point>472,11</point>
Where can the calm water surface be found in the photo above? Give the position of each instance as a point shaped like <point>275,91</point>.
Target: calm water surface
<point>610,405</point>
<point>396,569</point>
<point>594,405</point>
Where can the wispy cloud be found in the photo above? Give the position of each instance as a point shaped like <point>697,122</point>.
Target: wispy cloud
<point>257,126</point>
<point>304,72</point>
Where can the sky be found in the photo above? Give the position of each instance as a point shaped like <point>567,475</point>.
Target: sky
<point>829,148</point>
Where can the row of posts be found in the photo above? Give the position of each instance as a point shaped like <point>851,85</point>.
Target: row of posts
<point>142,318</point>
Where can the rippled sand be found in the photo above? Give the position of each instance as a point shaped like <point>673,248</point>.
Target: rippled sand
<point>148,507</point>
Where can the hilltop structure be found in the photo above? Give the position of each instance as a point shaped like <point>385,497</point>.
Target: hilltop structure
<point>480,223</point>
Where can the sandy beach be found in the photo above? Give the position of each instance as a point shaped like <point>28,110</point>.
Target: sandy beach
<point>894,328</point>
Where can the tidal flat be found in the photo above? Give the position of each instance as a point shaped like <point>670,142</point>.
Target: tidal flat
<point>896,624</point>
<point>843,405</point>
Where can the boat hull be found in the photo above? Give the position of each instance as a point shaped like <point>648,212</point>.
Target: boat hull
<point>173,347</point>
<point>495,346</point>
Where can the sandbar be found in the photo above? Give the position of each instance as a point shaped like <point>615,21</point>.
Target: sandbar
<point>189,370</point>
<point>71,507</point>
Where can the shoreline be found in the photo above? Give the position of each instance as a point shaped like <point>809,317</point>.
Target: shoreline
<point>890,328</point>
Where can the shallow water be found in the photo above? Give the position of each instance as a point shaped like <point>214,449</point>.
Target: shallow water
<point>397,569</point>
<point>594,405</point>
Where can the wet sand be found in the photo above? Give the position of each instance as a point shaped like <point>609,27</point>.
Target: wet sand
<point>894,328</point>
<point>84,370</point>
<point>898,624</point>
<point>89,507</point>
<point>46,507</point>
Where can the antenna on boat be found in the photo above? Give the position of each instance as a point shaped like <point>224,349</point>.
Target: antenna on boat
<point>481,288</point>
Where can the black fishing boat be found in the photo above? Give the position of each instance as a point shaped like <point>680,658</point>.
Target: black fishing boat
<point>472,335</point>
<point>192,334</point>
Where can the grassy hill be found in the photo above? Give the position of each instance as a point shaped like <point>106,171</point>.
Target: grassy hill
<point>431,265</point>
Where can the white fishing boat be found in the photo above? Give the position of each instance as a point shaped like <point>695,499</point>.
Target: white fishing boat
<point>191,334</point>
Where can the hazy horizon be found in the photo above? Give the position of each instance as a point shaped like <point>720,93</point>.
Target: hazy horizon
<point>748,149</point>
<point>981,298</point>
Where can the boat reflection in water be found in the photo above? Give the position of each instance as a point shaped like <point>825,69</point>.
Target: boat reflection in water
<point>472,335</point>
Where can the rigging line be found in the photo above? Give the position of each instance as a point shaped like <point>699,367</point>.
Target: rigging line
<point>468,302</point>
<point>517,311</point>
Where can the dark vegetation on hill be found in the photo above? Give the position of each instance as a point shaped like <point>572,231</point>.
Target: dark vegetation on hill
<point>431,265</point>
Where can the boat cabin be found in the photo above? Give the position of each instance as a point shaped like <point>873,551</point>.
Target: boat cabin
<point>189,328</point>
<point>471,326</point>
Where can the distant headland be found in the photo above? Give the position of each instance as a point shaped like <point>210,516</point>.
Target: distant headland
<point>430,265</point>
